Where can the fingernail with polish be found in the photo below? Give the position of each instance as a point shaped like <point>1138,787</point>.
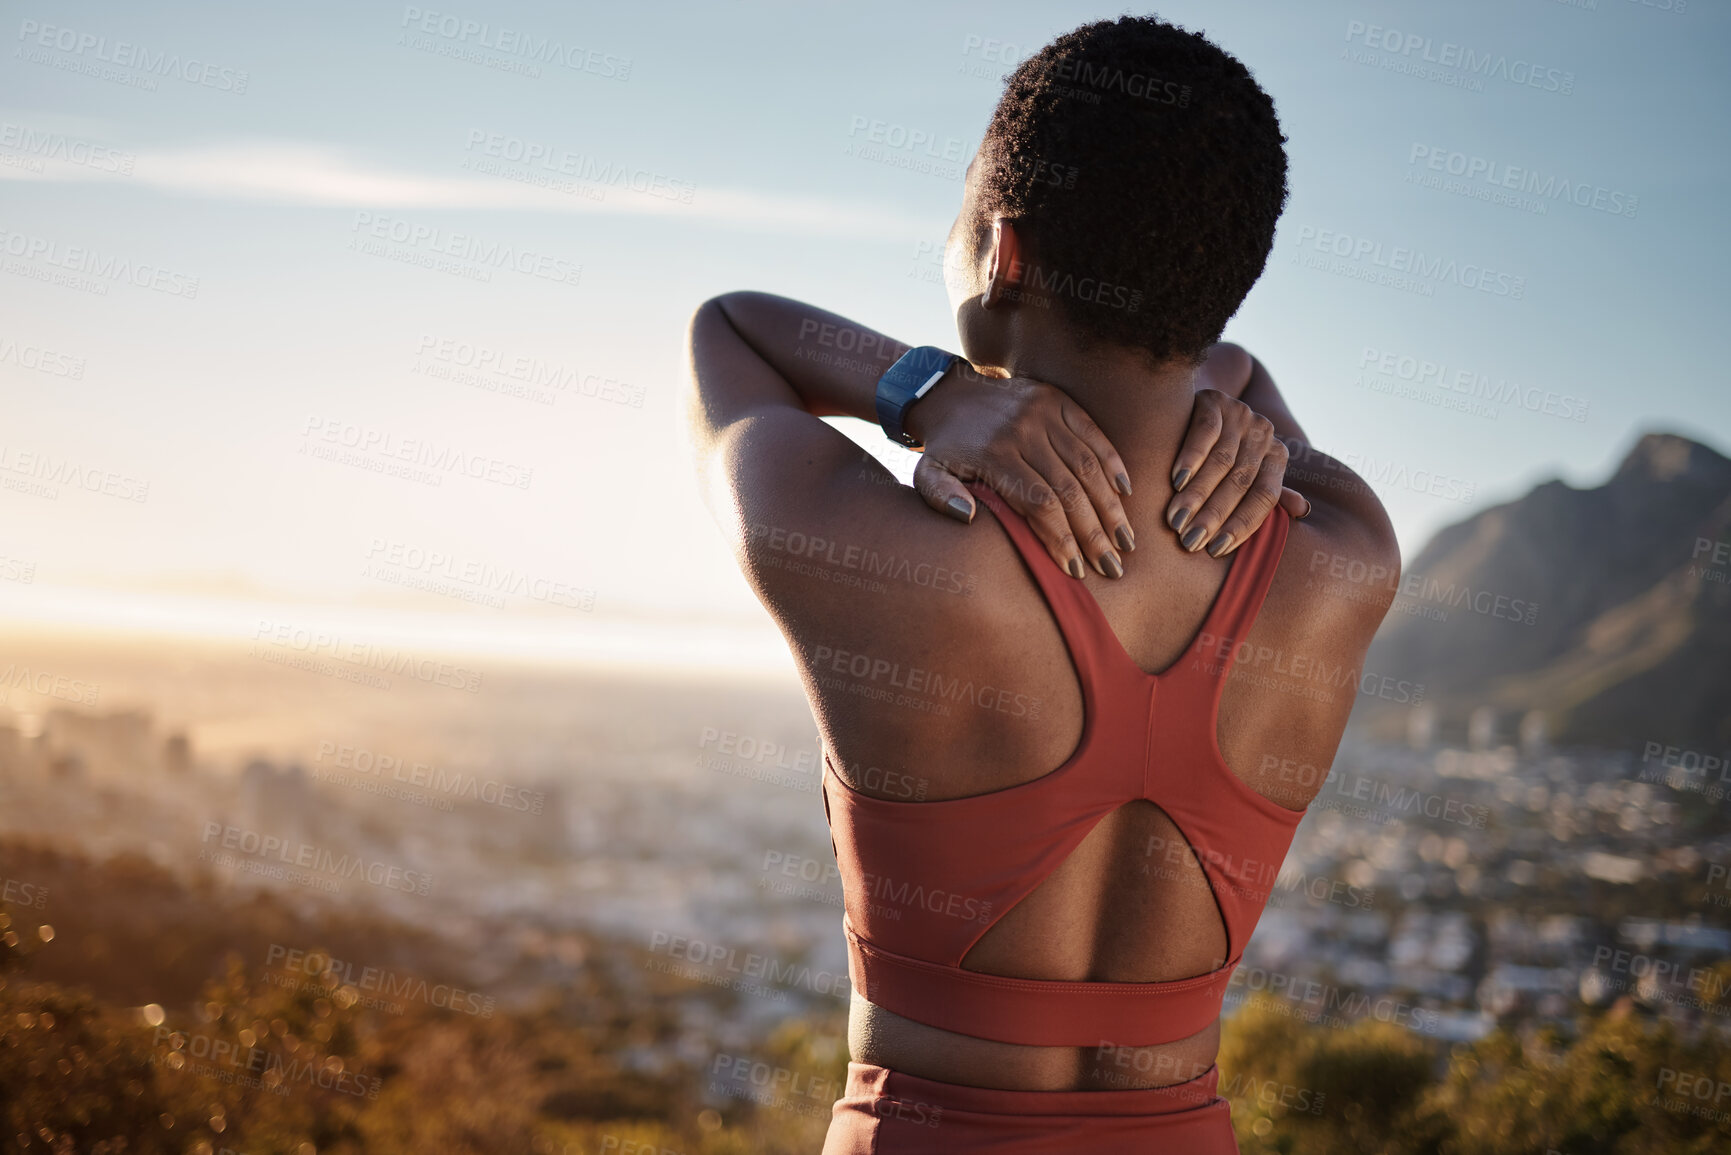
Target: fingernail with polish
<point>1194,538</point>
<point>1110,565</point>
<point>1178,480</point>
<point>962,510</point>
<point>1074,565</point>
<point>1177,518</point>
<point>1220,545</point>
<point>1124,484</point>
<point>1126,539</point>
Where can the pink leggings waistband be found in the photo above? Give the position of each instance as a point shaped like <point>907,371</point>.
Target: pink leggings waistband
<point>885,1112</point>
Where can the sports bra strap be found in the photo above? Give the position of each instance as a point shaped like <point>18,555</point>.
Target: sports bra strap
<point>1095,649</point>
<point>1080,618</point>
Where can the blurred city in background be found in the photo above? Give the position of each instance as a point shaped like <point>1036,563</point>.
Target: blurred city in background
<point>392,759</point>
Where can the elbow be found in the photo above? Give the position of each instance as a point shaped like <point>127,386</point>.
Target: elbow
<point>711,310</point>
<point>728,304</point>
<point>722,309</point>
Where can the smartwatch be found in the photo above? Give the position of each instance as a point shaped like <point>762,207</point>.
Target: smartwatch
<point>906,382</point>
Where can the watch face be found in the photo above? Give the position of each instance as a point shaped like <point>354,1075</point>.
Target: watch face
<point>906,381</point>
<point>923,362</point>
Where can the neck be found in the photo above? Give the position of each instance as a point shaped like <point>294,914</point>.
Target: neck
<point>1144,407</point>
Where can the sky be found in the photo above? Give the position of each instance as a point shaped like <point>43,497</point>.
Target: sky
<point>369,317</point>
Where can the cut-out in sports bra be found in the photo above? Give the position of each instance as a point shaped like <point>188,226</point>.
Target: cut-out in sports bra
<point>923,881</point>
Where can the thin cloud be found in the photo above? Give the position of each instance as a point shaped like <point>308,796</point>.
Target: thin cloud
<point>320,175</point>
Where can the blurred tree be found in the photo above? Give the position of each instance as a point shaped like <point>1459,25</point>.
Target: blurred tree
<point>1302,1089</point>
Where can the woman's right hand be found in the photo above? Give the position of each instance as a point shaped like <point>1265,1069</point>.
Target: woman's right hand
<point>1228,476</point>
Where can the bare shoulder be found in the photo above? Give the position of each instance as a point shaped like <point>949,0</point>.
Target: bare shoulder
<point>1301,672</point>
<point>910,630</point>
<point>1226,367</point>
<point>1344,569</point>
<point>846,548</point>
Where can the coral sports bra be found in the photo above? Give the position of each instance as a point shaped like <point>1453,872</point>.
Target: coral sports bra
<point>923,881</point>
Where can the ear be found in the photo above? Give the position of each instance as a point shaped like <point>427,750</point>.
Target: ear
<point>1006,268</point>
